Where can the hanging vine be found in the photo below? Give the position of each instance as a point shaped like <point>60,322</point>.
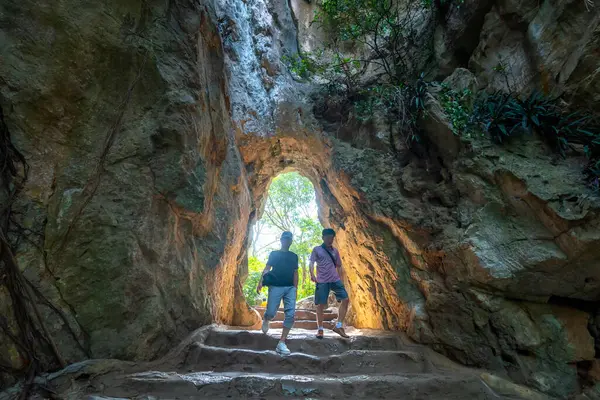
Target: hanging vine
<point>25,328</point>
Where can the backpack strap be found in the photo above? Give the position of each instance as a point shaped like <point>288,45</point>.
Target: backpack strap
<point>330,255</point>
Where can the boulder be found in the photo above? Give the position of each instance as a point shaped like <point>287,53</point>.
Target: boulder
<point>462,79</point>
<point>537,344</point>
<point>438,130</point>
<point>501,60</point>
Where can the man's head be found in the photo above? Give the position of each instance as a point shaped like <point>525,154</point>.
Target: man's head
<point>328,236</point>
<point>286,240</point>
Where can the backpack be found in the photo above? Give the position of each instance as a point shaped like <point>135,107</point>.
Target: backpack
<point>269,279</point>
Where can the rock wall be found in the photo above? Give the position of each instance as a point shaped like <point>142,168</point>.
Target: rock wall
<point>152,131</point>
<point>136,187</point>
<point>550,46</point>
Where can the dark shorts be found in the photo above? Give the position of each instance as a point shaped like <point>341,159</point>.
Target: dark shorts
<point>323,289</point>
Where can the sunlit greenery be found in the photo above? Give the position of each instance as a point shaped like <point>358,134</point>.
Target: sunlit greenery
<point>287,208</point>
<point>255,267</point>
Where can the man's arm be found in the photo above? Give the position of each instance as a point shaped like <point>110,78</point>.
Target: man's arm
<point>338,263</point>
<point>296,279</point>
<point>311,268</point>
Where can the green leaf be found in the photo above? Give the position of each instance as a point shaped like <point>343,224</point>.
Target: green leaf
<point>503,129</point>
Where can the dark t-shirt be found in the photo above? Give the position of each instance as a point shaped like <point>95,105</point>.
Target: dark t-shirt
<point>284,264</point>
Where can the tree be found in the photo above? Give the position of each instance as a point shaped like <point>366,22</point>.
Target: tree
<point>397,35</point>
<point>288,201</point>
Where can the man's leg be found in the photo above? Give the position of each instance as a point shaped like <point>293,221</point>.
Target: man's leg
<point>321,295</point>
<point>343,310</point>
<point>289,307</point>
<point>320,311</point>
<point>273,301</point>
<point>342,296</point>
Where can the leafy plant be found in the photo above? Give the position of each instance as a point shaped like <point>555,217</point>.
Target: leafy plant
<point>497,115</point>
<point>503,115</point>
<point>302,66</point>
<point>456,105</point>
<point>401,105</point>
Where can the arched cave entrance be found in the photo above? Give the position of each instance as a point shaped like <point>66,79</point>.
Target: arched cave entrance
<point>377,266</point>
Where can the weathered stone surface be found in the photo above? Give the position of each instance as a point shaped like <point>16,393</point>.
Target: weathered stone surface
<point>558,35</point>
<point>462,79</point>
<point>549,46</point>
<point>594,371</point>
<point>501,60</point>
<point>438,130</point>
<point>458,35</point>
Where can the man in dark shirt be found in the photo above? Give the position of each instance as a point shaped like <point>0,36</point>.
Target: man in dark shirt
<point>282,267</point>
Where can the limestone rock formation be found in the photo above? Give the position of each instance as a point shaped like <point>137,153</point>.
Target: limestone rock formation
<point>152,131</point>
<point>549,45</point>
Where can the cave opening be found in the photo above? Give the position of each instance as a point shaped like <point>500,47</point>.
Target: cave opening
<point>290,204</point>
<point>375,268</point>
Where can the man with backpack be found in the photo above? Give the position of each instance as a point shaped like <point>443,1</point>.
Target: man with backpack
<point>281,276</point>
<point>329,265</point>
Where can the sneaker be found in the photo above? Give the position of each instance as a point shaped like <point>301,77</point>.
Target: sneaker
<point>320,334</point>
<point>265,326</point>
<point>283,349</point>
<point>340,331</point>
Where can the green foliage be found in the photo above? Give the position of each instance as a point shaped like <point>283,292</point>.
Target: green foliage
<point>497,116</point>
<point>389,29</point>
<point>457,106</point>
<point>398,103</point>
<point>255,268</point>
<point>504,115</point>
<point>302,66</point>
<point>288,201</point>
<point>377,97</point>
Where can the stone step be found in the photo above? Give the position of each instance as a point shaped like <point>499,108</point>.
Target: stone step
<point>305,315</point>
<point>308,325</point>
<point>304,342</point>
<point>214,385</point>
<point>369,365</point>
<point>201,357</point>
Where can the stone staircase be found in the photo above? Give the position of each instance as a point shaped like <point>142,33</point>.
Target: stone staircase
<point>222,363</point>
<point>305,319</point>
